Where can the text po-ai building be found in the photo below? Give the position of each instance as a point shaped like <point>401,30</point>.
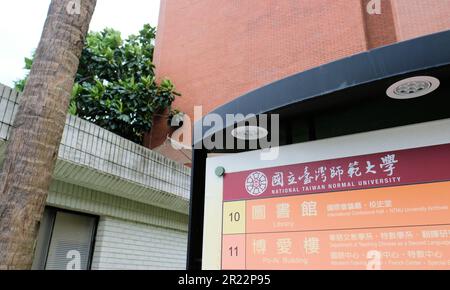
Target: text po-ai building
<point>325,140</point>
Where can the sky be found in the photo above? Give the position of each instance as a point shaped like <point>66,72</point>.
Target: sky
<point>21,23</point>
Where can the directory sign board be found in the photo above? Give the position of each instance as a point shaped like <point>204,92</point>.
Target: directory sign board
<point>383,209</point>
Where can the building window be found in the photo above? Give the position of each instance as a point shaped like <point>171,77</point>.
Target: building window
<point>65,241</point>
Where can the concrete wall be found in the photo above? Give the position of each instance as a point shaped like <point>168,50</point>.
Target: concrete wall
<point>103,161</point>
<point>140,196</point>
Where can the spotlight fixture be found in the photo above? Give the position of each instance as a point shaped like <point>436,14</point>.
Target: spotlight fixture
<point>413,87</point>
<point>249,133</point>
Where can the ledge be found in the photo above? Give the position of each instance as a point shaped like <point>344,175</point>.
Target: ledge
<point>95,158</point>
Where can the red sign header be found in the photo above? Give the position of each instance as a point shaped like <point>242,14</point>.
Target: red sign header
<point>387,169</point>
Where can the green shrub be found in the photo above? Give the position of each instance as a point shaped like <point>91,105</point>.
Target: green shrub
<point>115,86</point>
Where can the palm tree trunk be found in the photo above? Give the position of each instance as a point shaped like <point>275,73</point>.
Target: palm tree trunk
<point>33,148</point>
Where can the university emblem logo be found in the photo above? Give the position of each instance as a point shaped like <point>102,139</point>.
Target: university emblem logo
<point>256,183</point>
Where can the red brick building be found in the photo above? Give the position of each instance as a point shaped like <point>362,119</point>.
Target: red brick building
<point>217,50</point>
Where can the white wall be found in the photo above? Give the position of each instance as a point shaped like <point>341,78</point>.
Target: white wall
<point>130,235</point>
<point>123,245</point>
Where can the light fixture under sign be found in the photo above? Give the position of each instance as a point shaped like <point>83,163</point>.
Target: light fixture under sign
<point>249,133</point>
<point>413,87</point>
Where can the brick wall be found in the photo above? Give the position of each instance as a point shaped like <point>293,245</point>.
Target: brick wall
<point>420,17</point>
<point>124,245</point>
<point>379,28</point>
<point>217,50</point>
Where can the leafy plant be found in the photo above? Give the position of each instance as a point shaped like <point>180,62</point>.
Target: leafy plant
<point>116,86</point>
